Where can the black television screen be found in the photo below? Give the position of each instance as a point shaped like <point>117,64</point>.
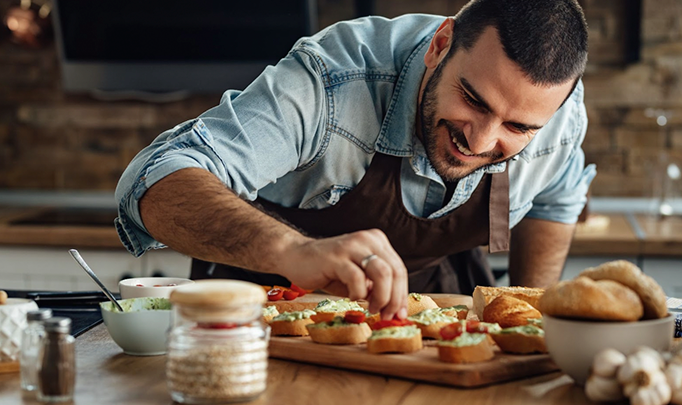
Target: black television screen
<point>175,46</point>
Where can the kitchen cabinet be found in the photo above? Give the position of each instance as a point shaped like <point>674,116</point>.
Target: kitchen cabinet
<point>52,268</point>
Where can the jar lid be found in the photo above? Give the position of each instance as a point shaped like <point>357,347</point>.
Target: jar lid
<point>39,314</point>
<point>58,324</point>
<point>218,293</point>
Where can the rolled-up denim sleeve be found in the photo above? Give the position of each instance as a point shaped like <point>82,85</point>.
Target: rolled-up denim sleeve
<point>565,196</point>
<point>248,141</point>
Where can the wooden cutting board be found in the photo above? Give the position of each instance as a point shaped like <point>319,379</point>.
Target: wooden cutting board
<point>421,366</point>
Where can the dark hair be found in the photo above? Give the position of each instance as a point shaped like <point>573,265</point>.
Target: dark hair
<point>546,38</point>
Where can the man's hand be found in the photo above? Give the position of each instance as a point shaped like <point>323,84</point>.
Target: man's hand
<point>192,212</point>
<point>335,265</point>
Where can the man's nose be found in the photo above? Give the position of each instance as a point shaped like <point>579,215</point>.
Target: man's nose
<point>483,137</point>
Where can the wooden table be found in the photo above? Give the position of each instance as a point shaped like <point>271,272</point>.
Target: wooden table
<point>107,376</point>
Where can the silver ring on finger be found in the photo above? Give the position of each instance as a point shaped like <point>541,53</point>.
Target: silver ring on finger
<point>365,262</point>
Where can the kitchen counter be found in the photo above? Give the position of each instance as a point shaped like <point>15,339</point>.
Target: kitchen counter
<point>607,234</point>
<point>107,376</point>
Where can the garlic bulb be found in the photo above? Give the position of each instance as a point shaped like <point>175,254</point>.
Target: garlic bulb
<point>674,376</point>
<point>643,380</point>
<point>603,389</point>
<point>656,393</point>
<point>606,362</point>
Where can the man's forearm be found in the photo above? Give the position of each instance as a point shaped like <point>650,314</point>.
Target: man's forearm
<point>538,252</point>
<point>192,212</point>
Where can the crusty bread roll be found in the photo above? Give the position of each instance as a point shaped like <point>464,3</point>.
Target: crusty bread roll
<point>584,298</point>
<point>419,302</point>
<point>345,334</point>
<point>466,354</point>
<point>408,344</point>
<point>520,343</point>
<point>484,295</point>
<point>290,328</point>
<point>508,311</point>
<point>649,291</point>
<point>3,297</point>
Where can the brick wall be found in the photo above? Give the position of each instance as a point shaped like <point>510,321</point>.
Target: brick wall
<point>53,141</point>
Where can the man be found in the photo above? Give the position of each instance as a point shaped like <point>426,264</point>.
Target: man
<point>380,147</point>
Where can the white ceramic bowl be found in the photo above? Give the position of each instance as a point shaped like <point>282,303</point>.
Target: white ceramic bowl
<point>12,323</point>
<point>150,286</point>
<point>572,344</point>
<point>139,331</point>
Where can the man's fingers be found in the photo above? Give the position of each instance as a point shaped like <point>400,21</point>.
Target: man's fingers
<point>355,281</point>
<point>381,275</point>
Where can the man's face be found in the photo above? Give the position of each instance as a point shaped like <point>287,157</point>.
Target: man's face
<point>479,108</point>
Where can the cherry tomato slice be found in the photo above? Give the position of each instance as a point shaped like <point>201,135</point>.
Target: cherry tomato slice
<point>322,317</point>
<point>301,292</point>
<point>451,331</point>
<point>354,317</point>
<point>290,295</point>
<point>476,327</point>
<point>275,294</point>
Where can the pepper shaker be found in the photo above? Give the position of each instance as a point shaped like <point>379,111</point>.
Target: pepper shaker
<point>30,345</point>
<point>56,359</point>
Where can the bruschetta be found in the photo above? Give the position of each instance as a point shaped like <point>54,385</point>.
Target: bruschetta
<point>291,323</point>
<point>394,336</point>
<point>349,329</point>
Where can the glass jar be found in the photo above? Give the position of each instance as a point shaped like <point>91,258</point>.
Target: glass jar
<point>218,345</point>
<point>56,362</point>
<point>30,345</point>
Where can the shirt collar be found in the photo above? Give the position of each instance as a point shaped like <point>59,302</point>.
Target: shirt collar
<point>398,127</point>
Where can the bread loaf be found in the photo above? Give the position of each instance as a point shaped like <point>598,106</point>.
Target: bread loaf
<point>584,298</point>
<point>482,296</point>
<point>649,291</point>
<point>508,311</point>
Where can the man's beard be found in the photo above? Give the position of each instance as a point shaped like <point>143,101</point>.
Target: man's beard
<point>428,112</point>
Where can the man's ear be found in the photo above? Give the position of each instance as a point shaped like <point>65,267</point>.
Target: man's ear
<point>440,44</point>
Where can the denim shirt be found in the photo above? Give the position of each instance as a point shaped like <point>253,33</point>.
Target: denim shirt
<point>305,131</point>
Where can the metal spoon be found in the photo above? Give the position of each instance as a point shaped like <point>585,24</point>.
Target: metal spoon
<point>77,257</point>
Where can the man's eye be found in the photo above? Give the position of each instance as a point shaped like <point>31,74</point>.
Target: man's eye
<point>471,101</point>
<point>520,129</point>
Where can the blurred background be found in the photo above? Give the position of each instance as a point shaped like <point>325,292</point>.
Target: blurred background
<point>84,85</point>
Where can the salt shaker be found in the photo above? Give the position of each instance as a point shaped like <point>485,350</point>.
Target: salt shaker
<point>56,362</point>
<point>30,344</point>
<point>217,347</point>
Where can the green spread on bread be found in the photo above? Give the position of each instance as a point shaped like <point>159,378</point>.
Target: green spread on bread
<point>431,316</point>
<point>465,339</point>
<point>524,330</point>
<point>416,296</point>
<point>457,308</point>
<point>270,310</point>
<point>395,332</point>
<point>336,322</point>
<point>294,315</point>
<point>345,304</point>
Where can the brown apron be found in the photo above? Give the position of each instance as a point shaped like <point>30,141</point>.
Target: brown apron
<point>440,254</point>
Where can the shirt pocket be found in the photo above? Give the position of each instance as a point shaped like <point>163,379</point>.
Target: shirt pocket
<point>327,198</point>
